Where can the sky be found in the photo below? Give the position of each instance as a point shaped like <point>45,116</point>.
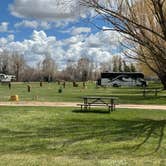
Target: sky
<point>59,28</point>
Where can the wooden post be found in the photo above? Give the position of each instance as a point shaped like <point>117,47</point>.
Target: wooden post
<point>75,84</point>
<point>9,85</point>
<point>85,103</point>
<point>29,88</point>
<point>41,83</point>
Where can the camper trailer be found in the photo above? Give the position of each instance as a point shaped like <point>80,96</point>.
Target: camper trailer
<point>6,78</point>
<point>117,79</point>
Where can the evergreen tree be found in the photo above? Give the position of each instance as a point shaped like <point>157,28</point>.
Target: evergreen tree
<point>126,67</point>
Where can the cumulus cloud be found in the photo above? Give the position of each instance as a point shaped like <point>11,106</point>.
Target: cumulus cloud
<point>79,30</point>
<point>46,9</point>
<point>98,47</point>
<point>4,26</point>
<point>45,25</point>
<point>26,23</point>
<point>33,24</point>
<point>5,41</point>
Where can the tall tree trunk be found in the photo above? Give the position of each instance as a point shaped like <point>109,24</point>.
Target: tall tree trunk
<point>163,79</point>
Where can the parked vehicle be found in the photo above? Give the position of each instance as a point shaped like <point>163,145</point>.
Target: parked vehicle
<point>118,79</point>
<point>7,78</point>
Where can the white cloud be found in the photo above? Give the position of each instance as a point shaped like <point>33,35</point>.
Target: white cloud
<point>45,25</point>
<point>79,30</point>
<point>4,26</point>
<point>98,47</point>
<point>26,23</point>
<point>46,9</point>
<point>33,24</point>
<point>10,38</point>
<point>5,41</point>
<point>59,12</point>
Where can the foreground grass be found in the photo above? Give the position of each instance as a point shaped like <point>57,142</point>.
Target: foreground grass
<point>64,136</point>
<point>49,92</point>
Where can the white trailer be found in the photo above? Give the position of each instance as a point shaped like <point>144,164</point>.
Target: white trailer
<point>6,78</point>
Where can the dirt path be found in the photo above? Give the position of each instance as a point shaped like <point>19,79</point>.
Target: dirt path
<point>74,104</point>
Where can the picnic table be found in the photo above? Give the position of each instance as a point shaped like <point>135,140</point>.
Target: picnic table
<point>106,101</point>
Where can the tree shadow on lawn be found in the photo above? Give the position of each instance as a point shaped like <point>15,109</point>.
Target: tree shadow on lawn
<point>93,110</point>
<point>74,131</point>
<point>150,129</point>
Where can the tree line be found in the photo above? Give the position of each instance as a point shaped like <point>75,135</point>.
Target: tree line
<point>47,70</point>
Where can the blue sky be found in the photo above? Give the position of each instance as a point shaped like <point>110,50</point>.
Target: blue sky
<point>59,28</point>
<point>24,32</point>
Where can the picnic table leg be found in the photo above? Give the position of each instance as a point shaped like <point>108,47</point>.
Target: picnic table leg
<point>85,104</point>
<point>85,107</point>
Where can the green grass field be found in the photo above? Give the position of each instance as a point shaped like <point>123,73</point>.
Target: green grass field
<point>49,92</point>
<point>65,136</point>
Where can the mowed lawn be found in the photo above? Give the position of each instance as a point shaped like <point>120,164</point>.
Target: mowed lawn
<point>49,92</point>
<point>65,136</point>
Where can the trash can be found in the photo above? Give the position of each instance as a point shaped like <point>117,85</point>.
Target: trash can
<point>14,98</point>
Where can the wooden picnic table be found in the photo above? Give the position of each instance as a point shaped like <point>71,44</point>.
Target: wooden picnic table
<point>106,101</point>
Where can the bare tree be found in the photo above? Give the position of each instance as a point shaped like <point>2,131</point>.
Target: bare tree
<point>18,65</point>
<point>4,62</point>
<point>48,68</point>
<point>143,24</point>
<point>84,69</point>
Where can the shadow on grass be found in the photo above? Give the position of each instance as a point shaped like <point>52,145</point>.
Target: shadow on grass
<point>76,131</point>
<point>99,111</point>
<point>151,128</point>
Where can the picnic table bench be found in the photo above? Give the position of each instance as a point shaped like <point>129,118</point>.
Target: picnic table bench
<point>105,101</point>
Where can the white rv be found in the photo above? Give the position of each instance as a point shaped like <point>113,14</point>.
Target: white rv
<point>6,78</point>
<point>118,79</point>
